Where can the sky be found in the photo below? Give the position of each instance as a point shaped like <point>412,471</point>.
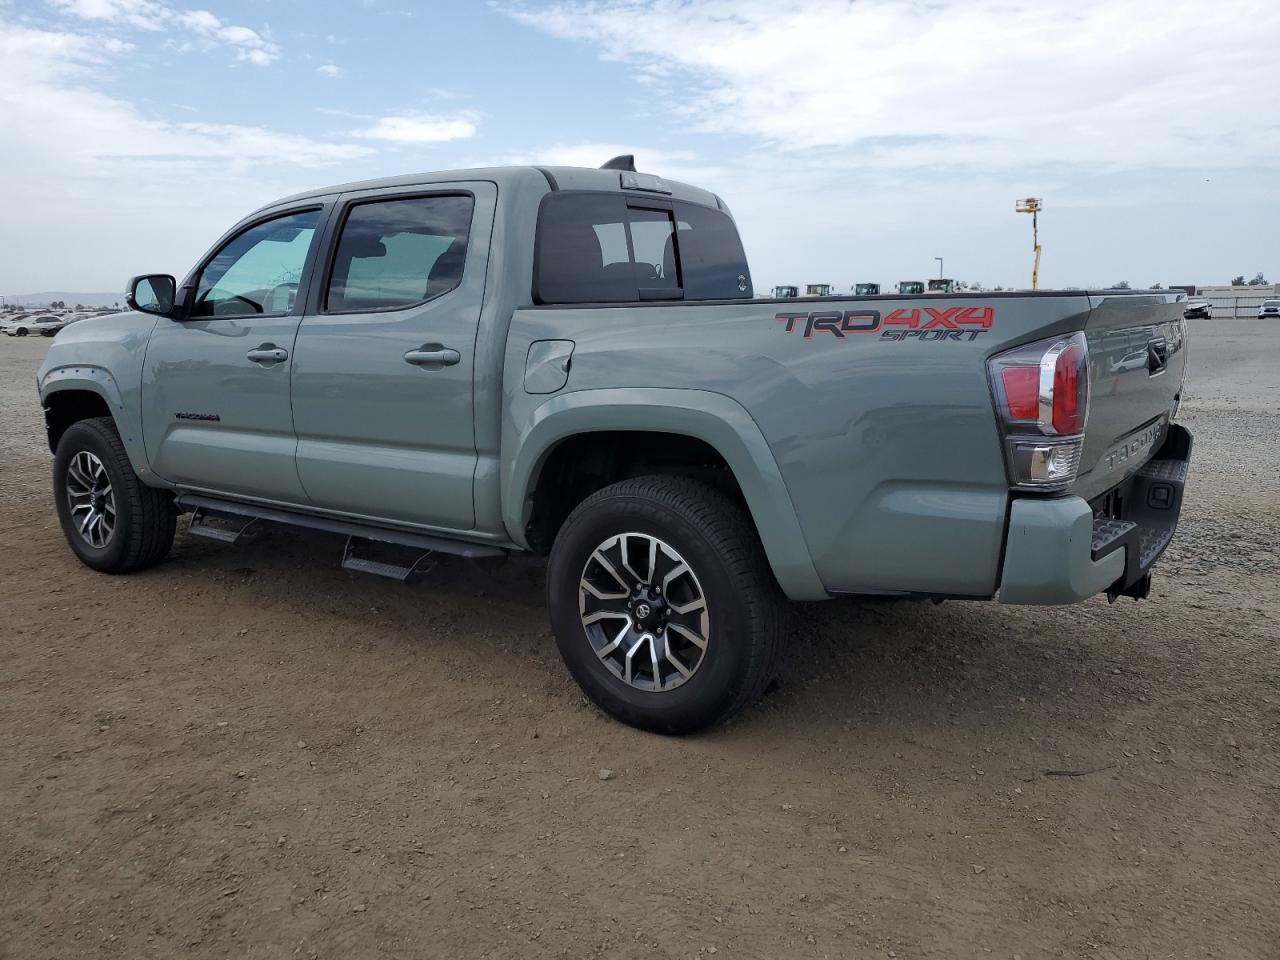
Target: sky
<point>854,141</point>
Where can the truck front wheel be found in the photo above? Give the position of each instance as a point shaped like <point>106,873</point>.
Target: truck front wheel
<point>663,604</point>
<point>113,521</point>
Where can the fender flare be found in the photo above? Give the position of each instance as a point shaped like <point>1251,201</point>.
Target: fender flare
<point>98,380</point>
<point>713,418</point>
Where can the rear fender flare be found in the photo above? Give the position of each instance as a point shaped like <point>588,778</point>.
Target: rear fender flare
<point>713,418</point>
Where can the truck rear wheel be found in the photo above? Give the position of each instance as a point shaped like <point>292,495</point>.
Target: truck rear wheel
<point>663,604</point>
<point>113,521</point>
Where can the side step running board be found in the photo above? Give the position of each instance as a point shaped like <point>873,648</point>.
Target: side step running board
<point>201,506</point>
<point>224,528</point>
<point>384,562</point>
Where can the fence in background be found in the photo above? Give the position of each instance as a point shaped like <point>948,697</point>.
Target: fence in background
<point>1233,302</point>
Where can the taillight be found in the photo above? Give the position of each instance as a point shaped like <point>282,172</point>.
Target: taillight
<point>1070,388</point>
<point>1042,401</point>
<point>1022,391</point>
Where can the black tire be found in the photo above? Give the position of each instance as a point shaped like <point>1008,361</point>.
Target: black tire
<point>717,542</point>
<point>144,516</point>
<point>22,331</point>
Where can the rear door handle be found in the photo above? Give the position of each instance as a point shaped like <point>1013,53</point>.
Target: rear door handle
<point>433,356</point>
<point>267,353</point>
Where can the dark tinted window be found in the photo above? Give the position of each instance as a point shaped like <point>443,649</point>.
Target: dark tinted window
<point>654,250</point>
<point>582,250</point>
<point>594,248</point>
<point>395,253</point>
<point>712,262</point>
<point>257,271</point>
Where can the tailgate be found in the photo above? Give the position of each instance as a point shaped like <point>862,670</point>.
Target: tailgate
<point>1137,360</point>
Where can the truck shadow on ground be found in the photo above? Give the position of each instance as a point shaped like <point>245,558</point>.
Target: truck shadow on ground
<point>847,660</point>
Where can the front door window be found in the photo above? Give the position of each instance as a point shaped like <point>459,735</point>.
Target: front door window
<point>257,272</point>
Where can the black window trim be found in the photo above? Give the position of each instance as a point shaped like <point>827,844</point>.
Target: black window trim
<point>335,240</point>
<point>192,284</point>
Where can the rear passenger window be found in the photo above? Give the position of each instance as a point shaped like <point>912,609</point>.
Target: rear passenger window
<point>597,248</point>
<point>396,253</point>
<point>582,253</point>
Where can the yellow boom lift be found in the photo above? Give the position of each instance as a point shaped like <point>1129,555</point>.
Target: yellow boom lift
<point>1032,205</point>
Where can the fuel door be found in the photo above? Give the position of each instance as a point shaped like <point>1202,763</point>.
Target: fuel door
<point>546,368</point>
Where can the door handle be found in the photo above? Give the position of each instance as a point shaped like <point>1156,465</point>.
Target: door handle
<point>433,356</point>
<point>267,353</point>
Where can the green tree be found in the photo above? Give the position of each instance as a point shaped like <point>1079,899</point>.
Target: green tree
<point>1238,281</point>
<point>1258,280</point>
<point>1122,285</point>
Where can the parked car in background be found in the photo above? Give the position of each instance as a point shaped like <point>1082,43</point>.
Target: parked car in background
<point>48,326</point>
<point>32,323</point>
<point>9,322</point>
<point>1269,308</point>
<point>1198,310</point>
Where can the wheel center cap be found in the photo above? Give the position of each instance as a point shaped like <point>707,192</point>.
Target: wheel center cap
<point>648,607</point>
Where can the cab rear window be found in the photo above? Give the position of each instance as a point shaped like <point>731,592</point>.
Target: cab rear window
<point>613,248</point>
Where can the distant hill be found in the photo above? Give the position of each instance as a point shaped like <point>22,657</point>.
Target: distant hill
<point>46,297</point>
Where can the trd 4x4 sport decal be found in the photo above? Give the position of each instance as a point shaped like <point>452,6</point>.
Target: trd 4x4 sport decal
<point>907,323</point>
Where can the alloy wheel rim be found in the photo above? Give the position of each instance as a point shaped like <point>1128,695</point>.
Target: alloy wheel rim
<point>644,612</point>
<point>92,500</point>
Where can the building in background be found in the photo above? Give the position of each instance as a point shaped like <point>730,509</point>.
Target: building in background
<point>1237,301</point>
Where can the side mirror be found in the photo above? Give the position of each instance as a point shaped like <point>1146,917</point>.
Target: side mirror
<point>153,293</point>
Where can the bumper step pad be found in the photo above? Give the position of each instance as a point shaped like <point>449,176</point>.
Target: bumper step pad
<point>1107,533</point>
<point>1173,471</point>
<point>1149,504</point>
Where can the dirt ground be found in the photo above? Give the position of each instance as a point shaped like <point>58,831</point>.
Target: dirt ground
<point>247,752</point>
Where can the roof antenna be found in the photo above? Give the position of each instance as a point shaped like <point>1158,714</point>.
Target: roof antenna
<point>626,162</point>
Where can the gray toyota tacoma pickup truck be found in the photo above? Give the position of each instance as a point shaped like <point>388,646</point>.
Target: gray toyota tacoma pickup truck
<point>571,362</point>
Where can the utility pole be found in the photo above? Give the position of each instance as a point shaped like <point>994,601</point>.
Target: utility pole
<point>1033,205</point>
<point>939,259</point>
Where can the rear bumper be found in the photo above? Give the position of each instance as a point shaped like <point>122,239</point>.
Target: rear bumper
<point>1065,549</point>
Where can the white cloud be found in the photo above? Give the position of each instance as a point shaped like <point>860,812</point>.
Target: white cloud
<point>331,70</point>
<point>46,90</point>
<point>1098,82</point>
<point>418,128</point>
<point>250,46</point>
<point>145,14</point>
<point>94,180</point>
